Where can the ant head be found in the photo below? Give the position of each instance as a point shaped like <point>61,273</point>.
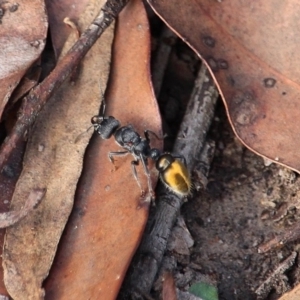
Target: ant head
<point>164,161</point>
<point>105,126</point>
<point>96,121</point>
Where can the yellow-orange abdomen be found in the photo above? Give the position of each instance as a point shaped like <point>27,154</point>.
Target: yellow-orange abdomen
<point>174,174</point>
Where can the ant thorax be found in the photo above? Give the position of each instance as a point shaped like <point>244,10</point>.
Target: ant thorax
<point>129,139</point>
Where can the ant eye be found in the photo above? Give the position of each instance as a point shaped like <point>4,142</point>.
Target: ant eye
<point>95,120</point>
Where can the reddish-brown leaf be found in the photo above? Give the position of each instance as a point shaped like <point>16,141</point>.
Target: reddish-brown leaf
<point>58,11</point>
<point>54,161</point>
<point>23,30</point>
<point>8,179</point>
<point>169,288</point>
<point>252,52</point>
<point>294,294</point>
<point>106,224</point>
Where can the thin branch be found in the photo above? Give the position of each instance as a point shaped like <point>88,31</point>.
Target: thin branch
<point>292,234</point>
<point>277,276</point>
<point>190,141</point>
<point>161,60</point>
<point>34,102</point>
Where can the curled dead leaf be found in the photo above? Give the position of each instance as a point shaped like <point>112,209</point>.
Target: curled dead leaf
<point>23,32</point>
<point>246,49</point>
<point>54,160</point>
<point>10,218</point>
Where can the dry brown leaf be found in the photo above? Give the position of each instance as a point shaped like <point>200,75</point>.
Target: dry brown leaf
<point>58,11</point>
<point>8,179</point>
<point>12,109</point>
<point>294,294</point>
<point>53,160</point>
<point>252,52</point>
<point>23,31</point>
<point>106,225</point>
<point>12,217</point>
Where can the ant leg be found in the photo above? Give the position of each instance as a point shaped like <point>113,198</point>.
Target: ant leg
<point>118,153</point>
<point>103,104</point>
<point>146,170</point>
<point>147,135</point>
<point>182,158</point>
<point>135,163</point>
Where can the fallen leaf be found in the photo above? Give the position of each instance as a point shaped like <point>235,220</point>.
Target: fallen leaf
<point>294,294</point>
<point>168,287</point>
<point>252,52</point>
<point>29,80</point>
<point>23,31</point>
<point>12,217</point>
<point>58,11</point>
<point>8,179</point>
<point>53,160</point>
<point>106,224</point>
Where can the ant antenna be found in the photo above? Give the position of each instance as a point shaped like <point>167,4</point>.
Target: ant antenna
<point>82,134</point>
<point>101,114</point>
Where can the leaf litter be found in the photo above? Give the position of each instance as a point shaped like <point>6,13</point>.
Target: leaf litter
<point>222,191</point>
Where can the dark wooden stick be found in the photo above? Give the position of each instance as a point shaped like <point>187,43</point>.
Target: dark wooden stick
<point>290,235</point>
<point>189,143</point>
<point>34,102</point>
<point>161,60</point>
<point>277,276</point>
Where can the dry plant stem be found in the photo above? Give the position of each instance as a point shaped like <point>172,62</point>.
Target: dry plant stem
<point>201,169</point>
<point>191,139</point>
<point>162,58</point>
<point>279,241</point>
<point>276,276</point>
<point>10,218</point>
<point>198,117</point>
<point>33,103</point>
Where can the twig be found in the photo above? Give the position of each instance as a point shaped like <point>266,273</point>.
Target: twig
<point>190,141</point>
<point>202,167</point>
<point>33,103</point>
<point>279,241</point>
<point>10,218</point>
<point>161,60</point>
<point>276,277</point>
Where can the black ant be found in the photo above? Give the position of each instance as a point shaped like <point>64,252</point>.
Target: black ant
<point>173,173</point>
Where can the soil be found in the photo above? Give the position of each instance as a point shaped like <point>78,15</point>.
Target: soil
<point>247,201</point>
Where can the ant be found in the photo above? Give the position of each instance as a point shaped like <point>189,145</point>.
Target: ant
<point>173,172</point>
